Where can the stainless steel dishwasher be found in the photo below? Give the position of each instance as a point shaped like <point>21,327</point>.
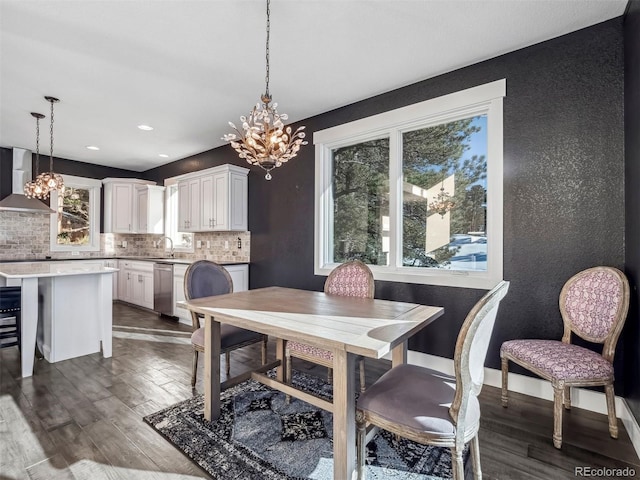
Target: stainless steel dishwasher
<point>163,288</point>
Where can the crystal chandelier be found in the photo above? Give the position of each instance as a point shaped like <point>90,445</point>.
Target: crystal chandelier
<point>442,203</point>
<point>51,180</point>
<point>33,188</point>
<point>264,140</point>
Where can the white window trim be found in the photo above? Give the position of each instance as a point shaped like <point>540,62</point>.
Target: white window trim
<point>94,187</point>
<point>487,98</point>
<point>169,182</point>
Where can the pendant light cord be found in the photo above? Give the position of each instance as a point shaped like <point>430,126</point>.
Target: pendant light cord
<point>266,78</point>
<point>51,133</point>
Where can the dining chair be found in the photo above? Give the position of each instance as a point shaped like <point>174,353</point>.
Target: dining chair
<point>350,279</point>
<point>431,407</point>
<point>205,278</point>
<point>593,306</point>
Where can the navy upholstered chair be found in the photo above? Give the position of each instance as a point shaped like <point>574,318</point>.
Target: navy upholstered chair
<point>205,279</point>
<point>431,407</point>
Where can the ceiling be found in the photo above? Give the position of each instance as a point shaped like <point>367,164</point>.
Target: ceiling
<point>188,67</point>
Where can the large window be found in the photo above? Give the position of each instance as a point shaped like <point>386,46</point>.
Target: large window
<point>76,223</point>
<point>416,193</point>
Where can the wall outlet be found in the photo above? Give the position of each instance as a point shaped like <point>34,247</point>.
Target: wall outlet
<point>226,244</point>
<point>208,243</point>
<point>199,244</point>
<point>75,253</point>
<point>124,244</point>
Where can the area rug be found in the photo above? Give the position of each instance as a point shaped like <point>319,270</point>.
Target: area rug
<point>260,436</point>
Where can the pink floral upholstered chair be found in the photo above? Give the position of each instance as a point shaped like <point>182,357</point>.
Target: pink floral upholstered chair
<point>351,279</point>
<point>593,305</point>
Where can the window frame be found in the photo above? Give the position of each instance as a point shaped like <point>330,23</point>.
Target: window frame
<point>483,99</point>
<point>94,186</point>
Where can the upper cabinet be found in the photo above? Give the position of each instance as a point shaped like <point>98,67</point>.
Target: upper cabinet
<point>213,200</point>
<point>133,206</point>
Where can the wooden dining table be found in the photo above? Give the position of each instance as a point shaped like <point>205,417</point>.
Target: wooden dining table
<point>347,326</point>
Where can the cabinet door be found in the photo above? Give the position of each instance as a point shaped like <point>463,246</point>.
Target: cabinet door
<point>238,202</point>
<point>194,205</point>
<point>125,285</point>
<point>122,208</point>
<point>207,204</point>
<point>184,211</point>
<point>221,201</point>
<point>142,214</point>
<point>240,276</point>
<point>178,294</point>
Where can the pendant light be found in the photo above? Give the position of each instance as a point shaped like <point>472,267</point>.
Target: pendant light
<point>34,188</point>
<point>50,179</point>
<point>264,140</point>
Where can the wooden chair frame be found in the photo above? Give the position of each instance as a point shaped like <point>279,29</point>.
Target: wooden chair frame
<point>562,388</point>
<point>195,321</point>
<point>469,380</point>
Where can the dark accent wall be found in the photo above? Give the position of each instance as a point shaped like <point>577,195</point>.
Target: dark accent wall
<point>632,198</point>
<point>563,185</point>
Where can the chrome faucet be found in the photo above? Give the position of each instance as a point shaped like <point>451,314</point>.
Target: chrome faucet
<point>171,253</point>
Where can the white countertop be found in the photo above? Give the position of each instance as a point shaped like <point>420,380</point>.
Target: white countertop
<point>50,269</point>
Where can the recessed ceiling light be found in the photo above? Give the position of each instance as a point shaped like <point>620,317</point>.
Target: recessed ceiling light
<point>92,147</point>
<point>163,155</point>
<point>145,127</point>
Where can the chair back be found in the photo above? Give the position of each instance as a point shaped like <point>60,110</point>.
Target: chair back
<point>471,350</point>
<point>205,278</point>
<point>594,305</point>
<point>351,279</point>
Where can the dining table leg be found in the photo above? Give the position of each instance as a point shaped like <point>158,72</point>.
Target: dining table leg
<point>344,422</point>
<point>211,368</point>
<point>399,354</point>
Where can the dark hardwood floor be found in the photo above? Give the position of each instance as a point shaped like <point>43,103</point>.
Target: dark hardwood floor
<point>82,418</point>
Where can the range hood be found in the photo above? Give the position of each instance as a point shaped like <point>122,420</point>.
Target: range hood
<point>21,174</point>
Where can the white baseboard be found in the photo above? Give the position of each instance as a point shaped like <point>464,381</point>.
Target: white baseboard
<point>536,387</point>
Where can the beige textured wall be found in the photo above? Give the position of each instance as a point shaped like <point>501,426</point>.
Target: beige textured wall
<point>25,236</point>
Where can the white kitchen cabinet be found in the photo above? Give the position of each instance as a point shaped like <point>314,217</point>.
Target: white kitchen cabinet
<point>178,294</point>
<point>240,276</point>
<point>133,206</point>
<point>214,200</point>
<point>149,205</point>
<point>135,283</point>
<point>189,205</point>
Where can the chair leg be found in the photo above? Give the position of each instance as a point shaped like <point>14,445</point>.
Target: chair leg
<point>567,398</point>
<point>558,394</point>
<point>227,360</point>
<point>361,447</point>
<point>362,380</point>
<point>505,381</point>
<point>264,350</point>
<point>194,368</point>
<point>456,464</point>
<point>475,458</point>
<point>611,411</point>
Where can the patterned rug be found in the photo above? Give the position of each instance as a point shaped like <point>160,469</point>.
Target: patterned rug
<point>260,436</point>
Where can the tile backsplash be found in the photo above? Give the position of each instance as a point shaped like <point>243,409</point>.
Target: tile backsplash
<point>25,236</point>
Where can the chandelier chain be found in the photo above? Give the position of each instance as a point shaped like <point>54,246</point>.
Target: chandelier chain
<point>266,78</point>
<point>51,133</point>
<point>37,145</point>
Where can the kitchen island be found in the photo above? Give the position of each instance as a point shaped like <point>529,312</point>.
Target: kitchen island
<point>67,307</point>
